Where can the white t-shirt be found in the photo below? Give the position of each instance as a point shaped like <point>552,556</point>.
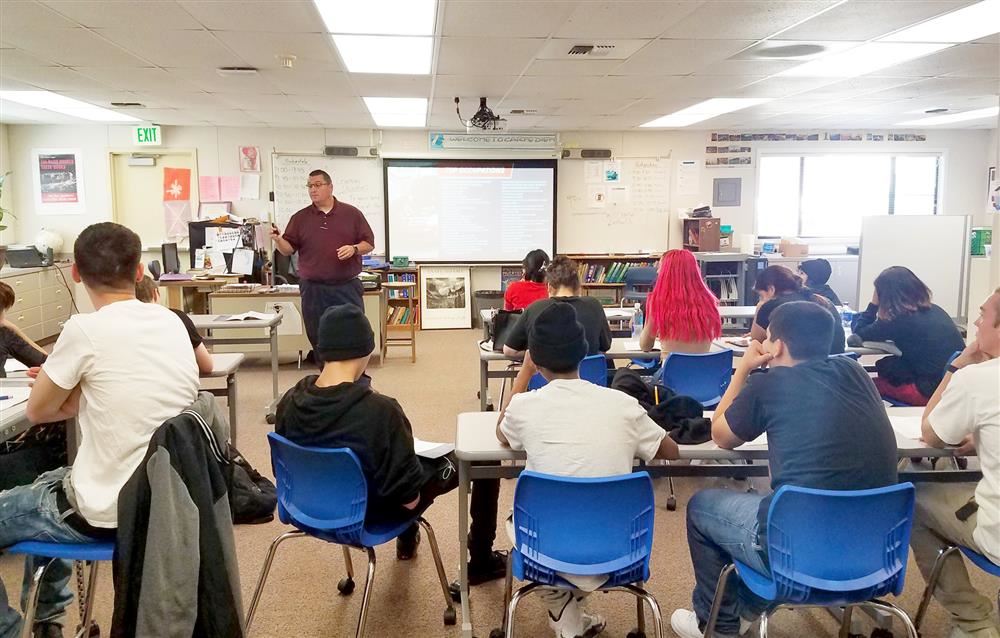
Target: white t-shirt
<point>971,405</point>
<point>136,369</point>
<point>576,428</point>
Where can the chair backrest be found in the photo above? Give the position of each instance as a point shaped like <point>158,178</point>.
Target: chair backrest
<point>814,541</point>
<point>639,283</point>
<point>703,377</point>
<point>319,490</point>
<point>584,526</point>
<point>154,270</point>
<point>593,368</point>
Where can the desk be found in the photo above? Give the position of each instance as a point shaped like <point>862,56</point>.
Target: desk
<point>612,313</point>
<point>199,289</point>
<point>737,312</point>
<point>14,420</point>
<point>869,348</point>
<point>475,440</point>
<point>226,365</point>
<point>619,350</point>
<point>209,322</point>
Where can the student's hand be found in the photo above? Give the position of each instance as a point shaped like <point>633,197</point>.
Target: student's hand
<point>970,356</point>
<point>754,357</point>
<point>874,297</point>
<point>33,371</point>
<point>967,447</point>
<point>346,252</point>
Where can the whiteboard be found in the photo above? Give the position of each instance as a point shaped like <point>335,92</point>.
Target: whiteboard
<point>356,181</point>
<point>635,212</point>
<point>934,247</point>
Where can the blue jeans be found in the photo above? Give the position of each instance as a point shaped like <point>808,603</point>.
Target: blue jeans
<point>721,526</point>
<point>30,513</point>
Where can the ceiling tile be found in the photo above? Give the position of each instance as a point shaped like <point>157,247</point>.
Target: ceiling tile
<point>284,117</point>
<point>16,57</point>
<point>854,87</point>
<point>745,19</point>
<point>227,117</point>
<point>182,100</point>
<point>507,56</point>
<point>964,60</point>
<point>676,57</point>
<point>368,85</point>
<point>302,81</point>
<point>144,79</point>
<point>313,51</point>
<point>572,67</point>
<point>209,80</point>
<point>19,15</point>
<point>595,106</point>
<point>699,86</point>
<point>53,78</point>
<point>624,19</point>
<point>328,103</point>
<point>106,97</point>
<point>582,87</point>
<point>524,18</point>
<point>865,20</point>
<point>174,48</point>
<point>262,101</point>
<point>159,116</point>
<point>10,84</point>
<point>101,13</point>
<point>469,86</point>
<point>780,87</point>
<point>762,68</point>
<point>71,47</point>
<point>234,15</point>
<point>343,119</point>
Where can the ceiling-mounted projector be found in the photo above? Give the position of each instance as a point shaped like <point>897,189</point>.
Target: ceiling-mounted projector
<point>484,118</point>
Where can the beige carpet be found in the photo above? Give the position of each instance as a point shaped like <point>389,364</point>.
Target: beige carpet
<point>301,599</point>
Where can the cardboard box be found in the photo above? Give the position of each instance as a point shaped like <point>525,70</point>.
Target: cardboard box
<point>793,248</point>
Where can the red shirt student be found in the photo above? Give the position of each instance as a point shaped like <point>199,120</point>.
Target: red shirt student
<point>531,287</point>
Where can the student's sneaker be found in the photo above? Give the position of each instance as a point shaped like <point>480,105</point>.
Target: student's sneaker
<point>491,567</point>
<point>406,548</point>
<point>585,626</point>
<point>684,622</point>
<point>47,630</point>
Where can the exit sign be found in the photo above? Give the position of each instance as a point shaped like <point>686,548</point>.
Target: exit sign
<point>146,136</point>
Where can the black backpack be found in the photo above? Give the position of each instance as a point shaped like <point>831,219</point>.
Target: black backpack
<point>252,497</point>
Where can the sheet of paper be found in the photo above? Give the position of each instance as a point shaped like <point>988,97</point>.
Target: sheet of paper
<point>199,258</point>
<point>430,449</point>
<point>242,261</point>
<point>208,188</point>
<point>688,178</point>
<point>906,426</point>
<point>229,188</point>
<point>176,216</point>
<point>215,261</point>
<point>13,365</point>
<point>617,194</point>
<point>613,171</point>
<point>592,171</point>
<point>760,441</point>
<point>211,235</point>
<point>250,186</point>
<point>226,239</point>
<point>13,395</point>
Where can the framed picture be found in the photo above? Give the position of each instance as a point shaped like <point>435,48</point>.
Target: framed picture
<point>445,297</point>
<point>249,159</point>
<point>993,191</point>
<point>57,176</point>
<point>211,210</point>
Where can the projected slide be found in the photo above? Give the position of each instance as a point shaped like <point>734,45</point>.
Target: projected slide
<point>469,210</point>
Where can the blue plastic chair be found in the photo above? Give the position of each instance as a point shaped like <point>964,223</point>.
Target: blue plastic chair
<point>323,493</point>
<point>704,377</point>
<point>818,559</point>
<point>91,553</point>
<point>593,368</point>
<point>639,283</point>
<point>582,526</point>
<point>975,558</point>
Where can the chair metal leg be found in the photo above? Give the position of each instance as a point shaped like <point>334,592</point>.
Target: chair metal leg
<point>720,590</point>
<point>643,595</point>
<point>932,583</point>
<point>508,587</point>
<point>231,400</point>
<point>348,565</point>
<point>640,615</point>
<point>442,577</point>
<point>845,622</point>
<point>369,584</point>
<point>512,607</point>
<point>265,569</point>
<point>672,497</point>
<point>29,613</point>
<point>88,602</point>
<point>889,608</point>
<point>763,623</point>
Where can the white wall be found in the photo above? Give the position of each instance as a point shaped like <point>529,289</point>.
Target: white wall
<point>7,201</point>
<point>965,164</point>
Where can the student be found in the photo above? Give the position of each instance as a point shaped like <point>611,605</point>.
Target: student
<point>13,342</point>
<point>333,409</point>
<point>826,428</point>
<point>777,285</point>
<point>964,410</point>
<point>816,273</point>
<point>680,311</point>
<point>531,287</point>
<point>901,311</point>
<point>121,371</point>
<point>572,427</point>
<point>147,291</point>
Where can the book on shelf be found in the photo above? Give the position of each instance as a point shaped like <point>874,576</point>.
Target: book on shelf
<point>408,277</point>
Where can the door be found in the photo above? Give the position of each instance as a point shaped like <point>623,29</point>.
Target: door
<point>138,196</point>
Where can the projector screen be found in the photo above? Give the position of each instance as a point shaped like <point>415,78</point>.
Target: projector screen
<point>469,210</point>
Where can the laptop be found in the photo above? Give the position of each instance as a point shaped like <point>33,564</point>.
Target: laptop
<point>24,257</point>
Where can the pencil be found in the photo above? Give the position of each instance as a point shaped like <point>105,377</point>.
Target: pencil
<point>656,394</point>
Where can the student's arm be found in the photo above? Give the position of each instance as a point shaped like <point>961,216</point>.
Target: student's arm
<point>951,412</point>
<point>865,318</point>
<point>646,338</point>
<point>509,428</point>
<point>757,333</point>
<point>512,353</point>
<point>517,337</point>
<point>49,403</point>
<point>399,472</point>
<point>22,347</point>
<point>364,247</point>
<point>55,394</point>
<point>204,359</point>
<point>519,385</point>
<point>722,430</point>
<point>761,320</point>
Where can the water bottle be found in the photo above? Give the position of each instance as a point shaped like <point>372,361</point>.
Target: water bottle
<point>636,322</point>
<point>846,316</point>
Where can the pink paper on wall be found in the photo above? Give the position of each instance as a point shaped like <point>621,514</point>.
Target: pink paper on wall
<point>208,188</point>
<point>229,186</point>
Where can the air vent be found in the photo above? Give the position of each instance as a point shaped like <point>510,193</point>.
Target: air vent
<point>236,70</point>
<point>350,151</point>
<point>581,49</point>
<point>934,111</point>
<point>524,111</point>
<point>586,153</point>
<point>128,105</point>
<point>592,50</point>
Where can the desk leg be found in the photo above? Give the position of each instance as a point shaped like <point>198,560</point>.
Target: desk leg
<point>273,407</point>
<point>463,546</point>
<point>484,384</point>
<point>231,398</point>
<point>175,297</point>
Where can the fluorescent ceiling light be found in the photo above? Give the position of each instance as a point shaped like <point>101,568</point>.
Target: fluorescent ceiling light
<point>66,105</point>
<point>398,111</point>
<point>705,110</point>
<point>863,59</point>
<point>954,117</point>
<point>970,23</point>
<point>407,55</point>
<point>378,17</point>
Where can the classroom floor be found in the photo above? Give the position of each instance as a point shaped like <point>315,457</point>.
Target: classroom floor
<point>302,601</point>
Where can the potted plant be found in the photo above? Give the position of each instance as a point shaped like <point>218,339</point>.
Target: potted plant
<point>3,212</point>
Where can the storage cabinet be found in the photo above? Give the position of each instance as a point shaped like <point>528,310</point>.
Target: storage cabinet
<point>702,234</point>
<point>42,302</point>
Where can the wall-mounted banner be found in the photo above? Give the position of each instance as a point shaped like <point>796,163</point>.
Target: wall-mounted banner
<point>58,181</point>
<point>438,141</point>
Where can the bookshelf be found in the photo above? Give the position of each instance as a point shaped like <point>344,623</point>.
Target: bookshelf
<point>702,234</point>
<point>603,276</point>
<point>725,276</point>
<point>402,310</point>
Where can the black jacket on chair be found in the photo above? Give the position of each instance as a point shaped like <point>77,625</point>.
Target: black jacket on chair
<point>175,569</point>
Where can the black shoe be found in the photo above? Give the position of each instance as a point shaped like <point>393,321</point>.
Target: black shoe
<point>492,567</point>
<point>47,630</point>
<point>406,548</point>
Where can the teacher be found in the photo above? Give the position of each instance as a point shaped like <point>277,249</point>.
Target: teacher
<point>330,236</point>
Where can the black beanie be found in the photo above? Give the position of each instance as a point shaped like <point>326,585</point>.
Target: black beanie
<point>556,339</point>
<point>344,333</point>
<point>817,271</point>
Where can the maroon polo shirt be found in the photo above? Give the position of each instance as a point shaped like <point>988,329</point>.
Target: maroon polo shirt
<point>316,236</point>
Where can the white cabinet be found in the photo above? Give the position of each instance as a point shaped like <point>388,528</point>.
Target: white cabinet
<point>42,302</point>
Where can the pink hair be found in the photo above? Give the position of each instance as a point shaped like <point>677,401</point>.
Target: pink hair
<point>681,307</point>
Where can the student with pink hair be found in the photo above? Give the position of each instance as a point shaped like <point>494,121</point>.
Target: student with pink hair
<point>680,311</point>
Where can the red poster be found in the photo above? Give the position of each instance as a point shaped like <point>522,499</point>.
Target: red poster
<point>57,177</point>
<point>176,184</point>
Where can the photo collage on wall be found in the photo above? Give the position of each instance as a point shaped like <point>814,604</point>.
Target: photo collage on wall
<point>737,151</point>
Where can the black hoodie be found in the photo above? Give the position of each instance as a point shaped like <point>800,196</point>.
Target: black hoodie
<point>372,425</point>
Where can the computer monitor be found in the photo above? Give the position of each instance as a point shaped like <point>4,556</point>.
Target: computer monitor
<point>171,260</point>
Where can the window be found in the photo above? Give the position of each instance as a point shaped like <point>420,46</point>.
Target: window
<point>829,195</point>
